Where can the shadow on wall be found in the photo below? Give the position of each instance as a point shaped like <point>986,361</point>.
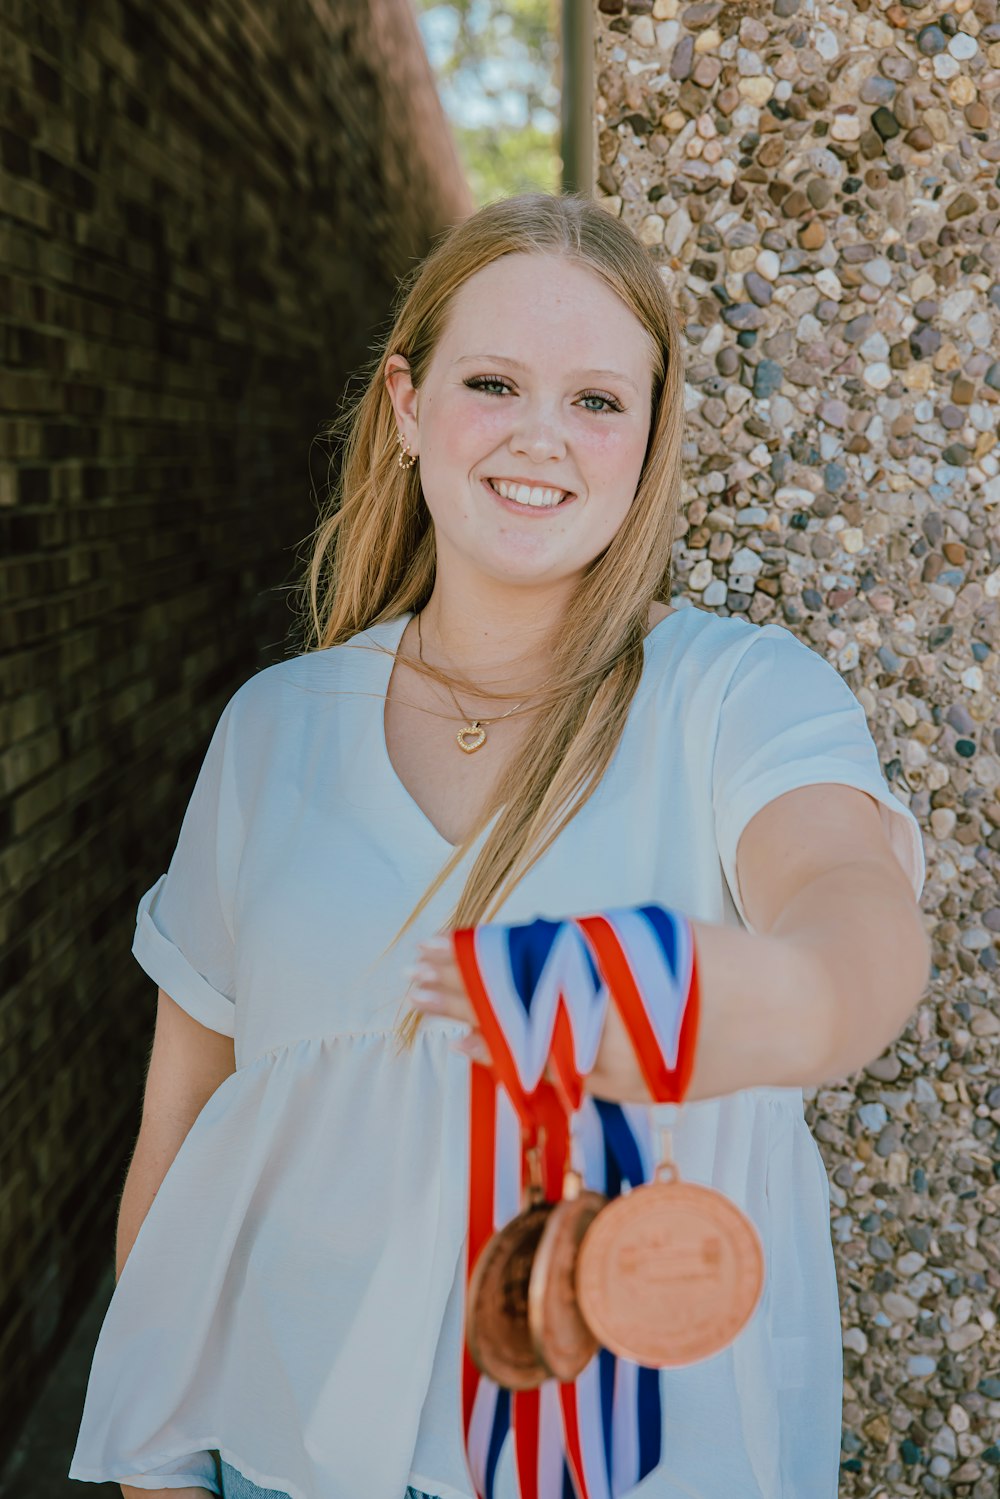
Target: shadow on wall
<point>37,1466</point>
<point>206,211</point>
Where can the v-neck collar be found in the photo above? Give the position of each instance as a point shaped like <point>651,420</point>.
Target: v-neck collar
<point>388,634</point>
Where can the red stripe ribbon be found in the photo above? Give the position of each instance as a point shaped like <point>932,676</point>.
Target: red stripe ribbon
<point>549,1107</point>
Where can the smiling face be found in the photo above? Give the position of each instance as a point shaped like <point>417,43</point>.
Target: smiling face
<point>542,375</point>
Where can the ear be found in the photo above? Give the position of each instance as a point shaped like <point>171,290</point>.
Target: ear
<point>404,397</point>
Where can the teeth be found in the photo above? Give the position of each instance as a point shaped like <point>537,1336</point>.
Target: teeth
<point>525,496</point>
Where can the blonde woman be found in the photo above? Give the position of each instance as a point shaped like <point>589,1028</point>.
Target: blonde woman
<point>496,713</point>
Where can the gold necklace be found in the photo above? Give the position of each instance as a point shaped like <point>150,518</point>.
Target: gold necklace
<point>475,727</point>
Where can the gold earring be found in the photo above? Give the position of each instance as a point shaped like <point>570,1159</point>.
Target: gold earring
<point>404,448</point>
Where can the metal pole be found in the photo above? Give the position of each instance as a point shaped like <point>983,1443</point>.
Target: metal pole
<point>577,136</point>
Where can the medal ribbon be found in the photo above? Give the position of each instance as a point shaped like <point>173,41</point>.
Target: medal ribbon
<point>488,1411</point>
<point>540,992</point>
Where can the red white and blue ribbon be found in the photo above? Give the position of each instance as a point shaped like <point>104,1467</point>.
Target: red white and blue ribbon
<point>540,992</point>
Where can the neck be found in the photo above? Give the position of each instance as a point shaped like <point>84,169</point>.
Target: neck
<point>498,649</point>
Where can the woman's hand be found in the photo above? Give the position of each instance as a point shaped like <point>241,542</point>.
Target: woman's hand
<point>764,999</point>
<point>436,988</point>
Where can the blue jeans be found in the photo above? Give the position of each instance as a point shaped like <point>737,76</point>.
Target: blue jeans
<point>235,1486</point>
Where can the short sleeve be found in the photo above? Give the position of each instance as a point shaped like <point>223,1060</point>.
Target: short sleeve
<point>184,936</point>
<point>789,719</point>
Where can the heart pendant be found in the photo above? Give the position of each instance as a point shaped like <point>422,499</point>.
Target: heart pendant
<point>478,734</point>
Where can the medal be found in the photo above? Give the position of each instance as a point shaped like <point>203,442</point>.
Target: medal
<point>496,1317</point>
<point>563,1341</point>
<point>575,1304</point>
<point>669,1273</point>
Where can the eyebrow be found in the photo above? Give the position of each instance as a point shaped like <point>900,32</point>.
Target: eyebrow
<point>517,365</point>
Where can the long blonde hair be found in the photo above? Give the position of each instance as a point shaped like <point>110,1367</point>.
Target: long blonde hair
<point>372,555</point>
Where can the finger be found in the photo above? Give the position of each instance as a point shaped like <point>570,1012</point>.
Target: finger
<point>431,976</point>
<point>435,1001</point>
<point>449,981</point>
<point>437,949</point>
<point>473,1046</point>
<point>441,963</point>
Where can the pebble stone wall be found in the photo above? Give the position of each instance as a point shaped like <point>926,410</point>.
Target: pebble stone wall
<point>204,210</point>
<point>819,182</point>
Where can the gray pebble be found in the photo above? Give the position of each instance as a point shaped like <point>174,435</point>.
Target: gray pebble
<point>885,1069</point>
<point>924,342</point>
<point>744,315</point>
<point>757,289</point>
<point>931,40</point>
<point>768,378</point>
<point>889,1141</point>
<point>961,719</point>
<point>873,1116</point>
<point>682,59</point>
<point>877,90</point>
<point>857,327</point>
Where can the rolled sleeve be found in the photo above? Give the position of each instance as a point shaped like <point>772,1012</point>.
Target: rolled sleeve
<point>171,970</point>
<point>185,922</point>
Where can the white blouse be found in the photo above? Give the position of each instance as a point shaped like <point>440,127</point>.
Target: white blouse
<point>293,1298</point>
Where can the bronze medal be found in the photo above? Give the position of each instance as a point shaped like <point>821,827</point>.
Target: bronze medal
<point>496,1323</point>
<point>562,1341</point>
<point>669,1273</point>
<point>496,1307</point>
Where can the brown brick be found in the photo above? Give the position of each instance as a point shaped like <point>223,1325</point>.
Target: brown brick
<point>204,213</point>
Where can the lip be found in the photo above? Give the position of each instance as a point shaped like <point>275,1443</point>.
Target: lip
<point>535,510</point>
<point>531,483</point>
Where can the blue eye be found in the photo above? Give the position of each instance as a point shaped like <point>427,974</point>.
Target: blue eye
<point>480,382</point>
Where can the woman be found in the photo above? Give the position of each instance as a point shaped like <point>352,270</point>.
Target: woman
<point>496,715</point>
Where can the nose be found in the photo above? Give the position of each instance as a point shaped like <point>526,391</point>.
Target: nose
<point>537,434</point>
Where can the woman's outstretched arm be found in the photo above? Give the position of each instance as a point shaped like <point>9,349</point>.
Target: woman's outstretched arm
<point>835,965</point>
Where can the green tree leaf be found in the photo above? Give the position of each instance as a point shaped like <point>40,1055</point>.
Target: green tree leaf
<point>498,71</point>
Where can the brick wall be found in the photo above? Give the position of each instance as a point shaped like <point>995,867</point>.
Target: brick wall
<point>819,183</point>
<point>203,210</point>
